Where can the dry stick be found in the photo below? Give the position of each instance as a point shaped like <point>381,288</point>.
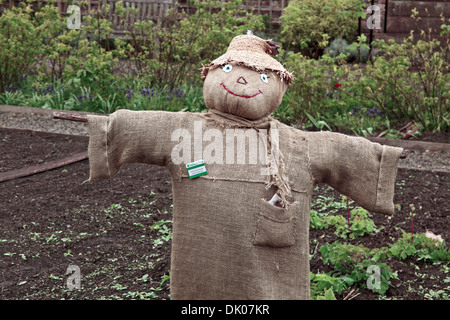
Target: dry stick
<point>69,116</point>
<point>19,173</point>
<point>351,295</point>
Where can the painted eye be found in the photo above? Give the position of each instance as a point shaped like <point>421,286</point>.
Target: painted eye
<point>264,77</point>
<point>227,68</point>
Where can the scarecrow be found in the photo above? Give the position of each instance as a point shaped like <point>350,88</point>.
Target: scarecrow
<point>242,181</point>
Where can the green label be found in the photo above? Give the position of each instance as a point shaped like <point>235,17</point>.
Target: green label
<point>196,169</point>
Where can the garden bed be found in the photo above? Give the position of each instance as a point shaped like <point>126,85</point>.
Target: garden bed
<point>118,231</point>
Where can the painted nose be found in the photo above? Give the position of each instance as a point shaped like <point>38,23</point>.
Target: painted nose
<point>241,80</point>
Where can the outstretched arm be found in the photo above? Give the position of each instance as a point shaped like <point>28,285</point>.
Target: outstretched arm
<point>356,167</point>
<point>129,137</point>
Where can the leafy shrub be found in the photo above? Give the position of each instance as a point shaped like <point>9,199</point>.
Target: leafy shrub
<point>305,21</point>
<point>341,50</point>
<point>20,40</point>
<point>337,47</point>
<point>411,81</point>
<point>352,263</point>
<point>361,224</point>
<point>57,43</point>
<point>323,95</point>
<point>308,91</point>
<point>90,64</point>
<point>420,247</point>
<point>39,42</point>
<point>407,82</point>
<point>171,51</point>
<point>323,286</point>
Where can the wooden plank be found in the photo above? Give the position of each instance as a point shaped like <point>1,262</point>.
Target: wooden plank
<point>412,145</point>
<point>20,173</point>
<point>157,9</point>
<point>143,11</point>
<point>151,7</point>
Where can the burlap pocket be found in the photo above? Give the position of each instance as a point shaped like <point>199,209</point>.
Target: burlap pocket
<point>276,226</point>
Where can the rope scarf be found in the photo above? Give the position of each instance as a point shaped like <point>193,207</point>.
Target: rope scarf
<point>275,164</point>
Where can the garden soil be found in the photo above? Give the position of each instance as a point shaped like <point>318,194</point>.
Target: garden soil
<point>112,230</point>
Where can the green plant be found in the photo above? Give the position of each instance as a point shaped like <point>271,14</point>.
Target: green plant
<point>164,232</point>
<point>319,124</point>
<point>323,215</point>
<point>164,278</point>
<point>411,81</point>
<point>353,264</point>
<point>305,21</point>
<point>327,94</point>
<point>323,286</point>
<point>358,51</point>
<point>337,48</point>
<point>170,51</point>
<point>310,87</point>
<point>361,223</point>
<point>340,50</point>
<point>439,294</point>
<point>420,247</point>
<point>58,42</point>
<point>411,216</point>
<point>20,40</point>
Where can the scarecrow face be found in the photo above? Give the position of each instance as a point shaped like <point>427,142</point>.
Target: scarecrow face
<point>242,91</point>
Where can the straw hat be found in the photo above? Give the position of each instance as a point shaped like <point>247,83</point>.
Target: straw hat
<point>252,52</point>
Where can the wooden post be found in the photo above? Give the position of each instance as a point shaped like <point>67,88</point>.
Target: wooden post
<point>69,116</point>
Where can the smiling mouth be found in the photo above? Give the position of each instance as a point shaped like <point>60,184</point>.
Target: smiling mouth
<point>239,95</point>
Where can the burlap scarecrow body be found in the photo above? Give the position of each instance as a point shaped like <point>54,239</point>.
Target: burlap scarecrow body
<point>240,229</point>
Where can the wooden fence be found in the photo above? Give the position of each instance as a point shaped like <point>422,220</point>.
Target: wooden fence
<point>396,21</point>
<point>156,9</point>
<point>145,10</point>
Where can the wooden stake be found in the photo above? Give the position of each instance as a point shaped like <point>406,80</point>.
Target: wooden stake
<point>69,116</point>
<point>19,173</point>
